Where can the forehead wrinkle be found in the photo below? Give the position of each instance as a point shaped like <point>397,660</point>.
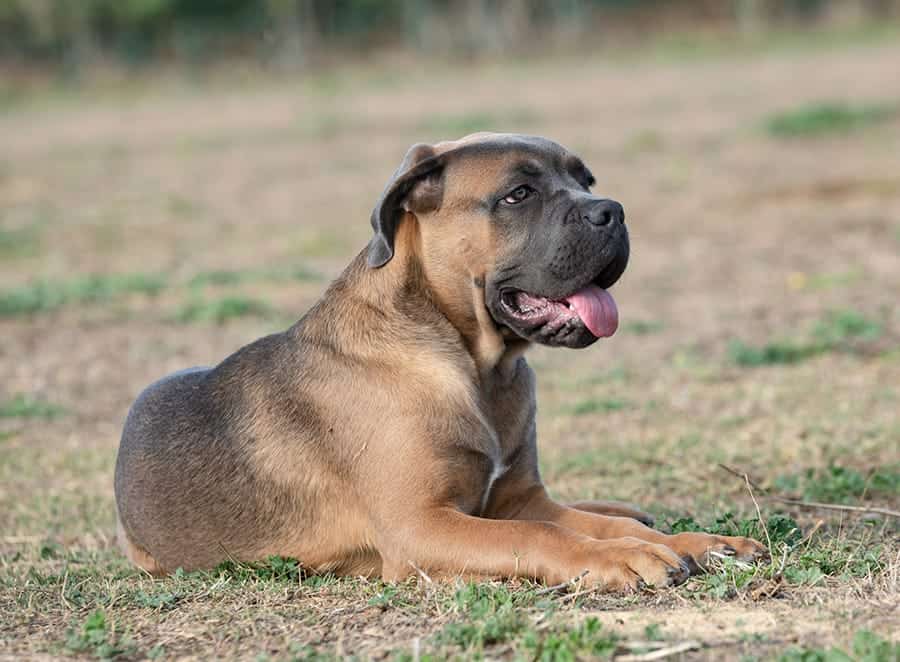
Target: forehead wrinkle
<point>484,172</point>
<point>477,172</point>
<point>528,168</point>
<point>466,203</point>
<point>474,177</point>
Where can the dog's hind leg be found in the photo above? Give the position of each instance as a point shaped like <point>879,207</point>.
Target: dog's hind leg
<point>614,508</point>
<point>135,554</point>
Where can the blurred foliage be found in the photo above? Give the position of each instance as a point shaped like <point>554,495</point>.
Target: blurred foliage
<point>838,331</point>
<point>835,484</point>
<point>820,119</point>
<point>75,32</point>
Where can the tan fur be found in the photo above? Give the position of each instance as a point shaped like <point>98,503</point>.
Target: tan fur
<point>390,429</point>
<point>137,556</point>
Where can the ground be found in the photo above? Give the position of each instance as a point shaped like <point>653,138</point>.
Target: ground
<point>163,224</point>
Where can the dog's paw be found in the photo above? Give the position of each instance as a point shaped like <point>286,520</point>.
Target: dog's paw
<point>699,549</point>
<point>626,565</point>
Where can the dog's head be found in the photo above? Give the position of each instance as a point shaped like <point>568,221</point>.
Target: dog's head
<point>515,214</point>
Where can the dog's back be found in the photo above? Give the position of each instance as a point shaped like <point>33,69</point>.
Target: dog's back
<point>183,480</point>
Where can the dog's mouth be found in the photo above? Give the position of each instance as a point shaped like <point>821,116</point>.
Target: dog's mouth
<point>591,306</point>
<point>556,317</point>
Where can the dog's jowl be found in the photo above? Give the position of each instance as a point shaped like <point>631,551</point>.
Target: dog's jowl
<point>393,426</point>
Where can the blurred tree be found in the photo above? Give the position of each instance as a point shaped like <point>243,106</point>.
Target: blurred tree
<point>73,33</point>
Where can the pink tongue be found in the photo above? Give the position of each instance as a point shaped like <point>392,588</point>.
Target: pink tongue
<point>596,309</point>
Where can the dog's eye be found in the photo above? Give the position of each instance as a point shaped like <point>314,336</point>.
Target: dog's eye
<point>518,194</point>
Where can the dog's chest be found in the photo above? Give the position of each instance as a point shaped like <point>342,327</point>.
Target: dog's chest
<point>497,471</point>
<point>508,409</point>
<point>478,464</point>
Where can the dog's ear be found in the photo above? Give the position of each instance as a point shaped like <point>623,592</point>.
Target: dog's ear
<point>417,187</point>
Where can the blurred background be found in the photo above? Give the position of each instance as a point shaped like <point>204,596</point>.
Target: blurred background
<point>179,177</point>
<point>75,36</point>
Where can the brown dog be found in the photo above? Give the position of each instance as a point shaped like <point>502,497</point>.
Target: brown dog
<point>393,426</point>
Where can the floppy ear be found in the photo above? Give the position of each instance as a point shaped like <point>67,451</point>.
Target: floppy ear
<point>580,172</point>
<point>416,187</point>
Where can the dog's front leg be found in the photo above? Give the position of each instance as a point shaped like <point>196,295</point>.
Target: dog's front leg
<point>446,541</point>
<point>535,504</point>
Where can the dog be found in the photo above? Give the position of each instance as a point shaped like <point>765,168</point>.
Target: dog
<point>392,428</point>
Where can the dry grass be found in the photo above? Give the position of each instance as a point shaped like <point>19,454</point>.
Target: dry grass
<point>761,331</point>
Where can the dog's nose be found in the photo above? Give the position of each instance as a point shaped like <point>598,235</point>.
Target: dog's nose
<point>604,212</point>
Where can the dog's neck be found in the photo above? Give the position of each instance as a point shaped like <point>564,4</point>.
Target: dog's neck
<point>406,288</point>
<point>456,287</point>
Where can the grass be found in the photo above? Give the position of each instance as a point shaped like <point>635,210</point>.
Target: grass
<point>115,611</point>
<point>226,277</point>
<point>612,375</point>
<point>643,327</point>
<point>841,330</point>
<point>779,527</point>
<point>589,462</point>
<point>842,326</point>
<point>20,242</point>
<point>460,124</point>
<point>836,484</point>
<point>828,118</point>
<point>702,46</point>
<point>98,637</point>
<point>824,281</point>
<point>24,406</point>
<point>492,615</point>
<point>587,640</point>
<point>223,309</point>
<point>795,561</point>
<point>595,405</point>
<point>323,125</point>
<point>778,352</point>
<point>44,296</point>
<point>867,647</point>
<point>644,141</point>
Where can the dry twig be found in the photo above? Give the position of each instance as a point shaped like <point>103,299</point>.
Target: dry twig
<point>422,573</point>
<point>812,504</point>
<point>762,522</point>
<point>662,653</point>
<point>564,585</point>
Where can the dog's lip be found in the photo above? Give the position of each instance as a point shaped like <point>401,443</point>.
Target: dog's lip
<point>608,277</point>
<point>604,280</point>
<point>591,307</point>
<point>549,315</point>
